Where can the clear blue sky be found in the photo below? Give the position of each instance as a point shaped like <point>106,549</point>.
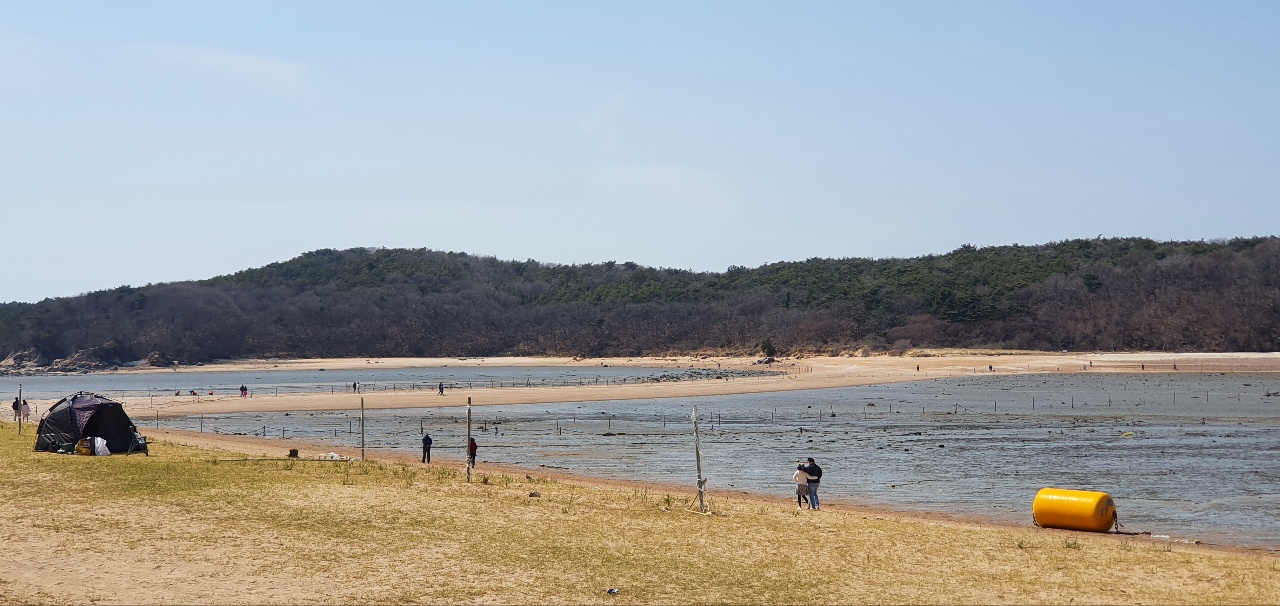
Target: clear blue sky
<point>152,142</point>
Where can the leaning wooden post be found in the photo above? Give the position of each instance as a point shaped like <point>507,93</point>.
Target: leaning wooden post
<point>361,429</point>
<point>467,449</point>
<point>697,452</point>
<point>19,410</point>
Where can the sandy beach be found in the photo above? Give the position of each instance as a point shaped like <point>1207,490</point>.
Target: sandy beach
<point>809,372</point>
<point>225,519</point>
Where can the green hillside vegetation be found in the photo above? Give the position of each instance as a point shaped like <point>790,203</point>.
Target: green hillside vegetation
<point>1103,294</point>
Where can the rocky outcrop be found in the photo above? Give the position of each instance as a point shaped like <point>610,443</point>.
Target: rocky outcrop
<point>158,359</point>
<point>23,360</point>
<point>85,359</point>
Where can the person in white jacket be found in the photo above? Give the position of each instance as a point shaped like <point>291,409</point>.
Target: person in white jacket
<point>801,479</point>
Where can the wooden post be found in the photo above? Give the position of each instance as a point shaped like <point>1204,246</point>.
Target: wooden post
<point>697,453</point>
<point>19,411</point>
<point>467,447</point>
<point>362,429</point>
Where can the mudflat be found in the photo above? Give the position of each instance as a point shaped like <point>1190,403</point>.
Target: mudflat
<point>224,519</point>
<point>808,372</point>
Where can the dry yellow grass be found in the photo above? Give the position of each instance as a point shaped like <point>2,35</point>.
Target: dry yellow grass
<point>188,526</point>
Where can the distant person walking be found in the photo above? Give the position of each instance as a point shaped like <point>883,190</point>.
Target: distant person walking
<point>355,387</point>
<point>17,408</point>
<point>441,386</point>
<point>801,479</point>
<point>26,411</point>
<point>244,391</point>
<point>426,448</point>
<point>815,477</point>
<point>471,451</point>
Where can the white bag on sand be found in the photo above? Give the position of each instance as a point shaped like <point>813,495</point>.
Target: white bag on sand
<point>100,447</point>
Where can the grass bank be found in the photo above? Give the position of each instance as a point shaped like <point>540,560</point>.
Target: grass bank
<point>190,525</point>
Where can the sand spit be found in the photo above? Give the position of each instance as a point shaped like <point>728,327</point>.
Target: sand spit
<point>795,373</point>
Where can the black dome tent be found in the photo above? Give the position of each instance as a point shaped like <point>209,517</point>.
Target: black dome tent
<point>88,415</point>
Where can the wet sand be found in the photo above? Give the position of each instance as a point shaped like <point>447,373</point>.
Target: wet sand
<point>797,373</point>
<point>1186,455</point>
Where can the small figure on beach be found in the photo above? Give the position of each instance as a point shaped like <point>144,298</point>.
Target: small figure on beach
<point>426,448</point>
<point>244,391</point>
<point>815,477</point>
<point>355,386</point>
<point>17,407</point>
<point>471,451</point>
<point>801,480</point>
<point>990,369</point>
<point>26,411</point>
<point>441,386</point>
<point>917,368</point>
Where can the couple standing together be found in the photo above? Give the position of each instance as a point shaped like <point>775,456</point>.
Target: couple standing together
<point>807,476</point>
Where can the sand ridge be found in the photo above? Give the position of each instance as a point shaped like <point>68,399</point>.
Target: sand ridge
<point>793,373</point>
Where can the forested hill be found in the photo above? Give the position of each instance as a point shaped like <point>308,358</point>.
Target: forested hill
<point>1105,294</point>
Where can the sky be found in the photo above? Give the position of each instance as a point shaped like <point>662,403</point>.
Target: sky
<point>148,142</point>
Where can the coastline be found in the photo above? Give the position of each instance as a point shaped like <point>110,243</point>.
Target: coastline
<point>795,373</point>
<point>210,519</point>
<point>276,448</point>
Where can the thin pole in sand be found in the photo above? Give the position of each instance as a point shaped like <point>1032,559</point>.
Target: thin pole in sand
<point>361,429</point>
<point>697,453</point>
<point>468,445</point>
<point>19,411</point>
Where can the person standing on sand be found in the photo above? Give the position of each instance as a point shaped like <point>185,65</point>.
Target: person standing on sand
<point>426,448</point>
<point>471,451</point>
<point>815,477</point>
<point>17,407</point>
<point>26,411</point>
<point>442,388</point>
<point>801,480</point>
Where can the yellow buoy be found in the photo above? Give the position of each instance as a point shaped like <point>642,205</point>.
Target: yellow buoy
<point>1074,509</point>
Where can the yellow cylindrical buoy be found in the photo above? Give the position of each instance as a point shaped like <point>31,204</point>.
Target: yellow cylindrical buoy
<point>1074,509</point>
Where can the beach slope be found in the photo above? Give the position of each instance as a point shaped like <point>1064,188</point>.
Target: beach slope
<point>216,522</point>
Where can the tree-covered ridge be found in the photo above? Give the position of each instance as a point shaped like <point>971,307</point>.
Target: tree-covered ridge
<point>1123,293</point>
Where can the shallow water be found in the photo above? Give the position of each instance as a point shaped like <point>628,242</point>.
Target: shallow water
<point>271,382</point>
<point>1193,457</point>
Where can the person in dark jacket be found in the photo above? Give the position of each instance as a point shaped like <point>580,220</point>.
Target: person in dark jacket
<point>426,448</point>
<point>471,451</point>
<point>815,477</point>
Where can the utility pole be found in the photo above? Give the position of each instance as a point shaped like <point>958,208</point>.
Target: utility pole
<point>697,452</point>
<point>467,448</point>
<point>19,411</point>
<point>362,429</point>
